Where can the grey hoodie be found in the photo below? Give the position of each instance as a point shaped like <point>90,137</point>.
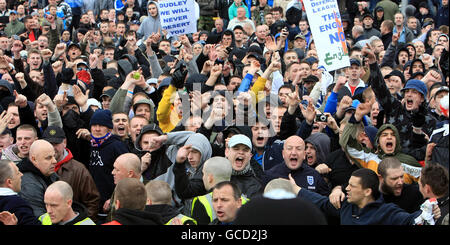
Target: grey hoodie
<point>150,24</point>
<point>321,143</point>
<point>178,139</point>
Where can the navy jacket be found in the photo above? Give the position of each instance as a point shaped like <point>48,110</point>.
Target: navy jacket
<point>16,205</point>
<point>374,213</point>
<point>272,154</point>
<point>305,177</point>
<point>101,165</point>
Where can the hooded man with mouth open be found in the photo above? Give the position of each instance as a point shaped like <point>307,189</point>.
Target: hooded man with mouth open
<point>387,144</point>
<point>407,115</point>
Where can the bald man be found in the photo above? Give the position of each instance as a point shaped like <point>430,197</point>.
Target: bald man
<point>38,173</point>
<point>294,157</point>
<point>127,165</point>
<point>59,199</point>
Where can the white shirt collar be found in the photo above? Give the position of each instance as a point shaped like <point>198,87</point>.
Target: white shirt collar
<point>4,191</point>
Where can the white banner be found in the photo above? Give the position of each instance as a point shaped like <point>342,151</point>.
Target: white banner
<point>177,16</point>
<point>326,27</point>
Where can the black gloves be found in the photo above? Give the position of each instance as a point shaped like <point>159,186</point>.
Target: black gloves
<point>418,118</point>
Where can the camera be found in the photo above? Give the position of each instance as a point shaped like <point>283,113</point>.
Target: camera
<point>179,74</point>
<point>321,118</point>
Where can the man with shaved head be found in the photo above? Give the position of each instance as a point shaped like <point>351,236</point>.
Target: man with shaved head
<point>127,165</point>
<point>294,157</point>
<point>38,173</point>
<point>58,200</point>
<point>73,172</point>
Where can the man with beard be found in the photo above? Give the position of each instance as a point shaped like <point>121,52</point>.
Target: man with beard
<point>394,190</point>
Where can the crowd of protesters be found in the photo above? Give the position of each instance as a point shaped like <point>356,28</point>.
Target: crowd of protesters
<point>106,119</point>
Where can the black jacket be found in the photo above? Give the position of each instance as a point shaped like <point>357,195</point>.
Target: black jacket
<point>101,165</point>
<point>305,177</point>
<point>410,199</point>
<point>440,153</point>
<point>19,207</point>
<point>127,216</point>
<point>395,113</point>
<point>167,212</point>
<point>186,188</point>
<point>248,183</point>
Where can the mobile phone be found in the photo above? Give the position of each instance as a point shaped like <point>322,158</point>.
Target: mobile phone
<point>15,37</point>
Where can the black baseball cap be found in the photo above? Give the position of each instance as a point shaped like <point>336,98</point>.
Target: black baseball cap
<point>396,73</point>
<point>355,62</point>
<point>54,134</point>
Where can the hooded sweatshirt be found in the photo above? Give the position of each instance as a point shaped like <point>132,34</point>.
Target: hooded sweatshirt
<point>365,158</point>
<point>150,24</point>
<point>178,139</point>
<point>321,143</point>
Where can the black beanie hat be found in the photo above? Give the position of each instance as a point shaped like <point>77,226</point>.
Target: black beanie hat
<point>102,117</point>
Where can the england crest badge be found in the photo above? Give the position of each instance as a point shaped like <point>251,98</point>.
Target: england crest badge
<point>310,180</point>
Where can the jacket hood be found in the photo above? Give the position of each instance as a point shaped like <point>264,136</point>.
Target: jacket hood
<point>200,143</point>
<point>147,128</point>
<point>27,166</point>
<point>321,143</point>
<point>412,62</point>
<point>398,52</point>
<point>398,146</point>
<point>157,7</point>
<point>127,216</point>
<point>7,85</point>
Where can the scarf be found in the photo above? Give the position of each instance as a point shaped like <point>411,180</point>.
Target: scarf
<point>97,142</point>
<point>244,171</point>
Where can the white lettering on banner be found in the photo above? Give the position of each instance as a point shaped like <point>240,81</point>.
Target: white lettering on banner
<point>328,33</point>
<point>177,17</point>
